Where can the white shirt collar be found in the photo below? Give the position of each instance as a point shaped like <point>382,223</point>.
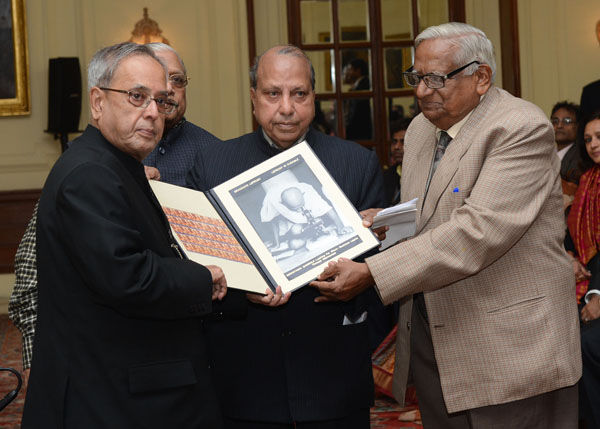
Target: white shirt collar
<point>561,153</point>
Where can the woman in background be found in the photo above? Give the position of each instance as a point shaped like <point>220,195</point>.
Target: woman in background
<point>583,244</point>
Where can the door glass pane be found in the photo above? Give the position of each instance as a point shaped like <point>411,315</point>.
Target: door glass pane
<point>316,21</point>
<point>325,117</point>
<point>356,70</point>
<point>400,107</point>
<point>396,20</point>
<point>397,60</point>
<point>399,112</point>
<point>353,17</point>
<point>324,70</point>
<point>432,12</point>
<point>358,121</point>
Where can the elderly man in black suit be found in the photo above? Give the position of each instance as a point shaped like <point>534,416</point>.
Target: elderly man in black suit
<point>302,364</point>
<point>118,339</point>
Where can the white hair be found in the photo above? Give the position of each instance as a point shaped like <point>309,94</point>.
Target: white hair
<point>163,47</point>
<point>472,43</point>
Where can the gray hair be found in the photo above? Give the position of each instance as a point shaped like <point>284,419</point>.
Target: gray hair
<point>158,47</point>
<point>472,43</point>
<point>291,50</point>
<point>105,62</point>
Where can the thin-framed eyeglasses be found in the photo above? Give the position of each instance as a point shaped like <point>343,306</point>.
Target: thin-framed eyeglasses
<point>179,80</point>
<point>142,100</point>
<point>433,81</point>
<point>565,121</point>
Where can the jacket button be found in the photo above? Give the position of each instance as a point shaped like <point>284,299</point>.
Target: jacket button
<point>408,325</point>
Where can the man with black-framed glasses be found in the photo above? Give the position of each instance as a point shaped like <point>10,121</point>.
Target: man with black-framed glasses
<point>488,325</point>
<point>118,339</point>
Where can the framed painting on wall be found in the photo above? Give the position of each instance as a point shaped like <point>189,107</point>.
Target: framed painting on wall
<point>14,62</point>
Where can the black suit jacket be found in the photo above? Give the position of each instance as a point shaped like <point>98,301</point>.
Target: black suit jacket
<point>570,166</point>
<point>118,340</point>
<point>391,184</point>
<point>295,362</point>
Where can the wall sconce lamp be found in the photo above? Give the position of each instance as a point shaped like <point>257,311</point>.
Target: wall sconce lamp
<point>146,30</point>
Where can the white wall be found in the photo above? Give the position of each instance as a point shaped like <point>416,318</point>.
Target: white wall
<point>485,15</point>
<point>559,50</point>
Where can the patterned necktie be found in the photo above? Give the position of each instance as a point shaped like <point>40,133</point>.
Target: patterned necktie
<point>443,143</point>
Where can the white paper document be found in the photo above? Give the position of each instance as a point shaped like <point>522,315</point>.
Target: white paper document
<point>400,218</point>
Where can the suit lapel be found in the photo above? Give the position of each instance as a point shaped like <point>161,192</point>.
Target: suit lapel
<point>451,160</point>
<point>424,159</point>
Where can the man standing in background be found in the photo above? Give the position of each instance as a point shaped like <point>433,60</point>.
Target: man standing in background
<point>391,177</point>
<point>175,153</point>
<point>565,118</point>
<point>357,111</point>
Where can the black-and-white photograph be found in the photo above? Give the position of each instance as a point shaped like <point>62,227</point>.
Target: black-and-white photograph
<point>294,217</point>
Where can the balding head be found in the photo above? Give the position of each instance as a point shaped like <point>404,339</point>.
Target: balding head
<point>282,50</point>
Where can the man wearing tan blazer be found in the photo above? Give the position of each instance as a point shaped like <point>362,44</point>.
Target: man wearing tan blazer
<point>491,336</point>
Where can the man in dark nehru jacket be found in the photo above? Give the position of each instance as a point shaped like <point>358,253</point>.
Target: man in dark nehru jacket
<point>303,364</point>
<point>118,339</point>
<point>182,140</point>
<point>170,161</point>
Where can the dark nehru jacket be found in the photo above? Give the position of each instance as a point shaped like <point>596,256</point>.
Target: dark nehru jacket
<point>297,362</point>
<point>118,340</point>
<point>175,153</point>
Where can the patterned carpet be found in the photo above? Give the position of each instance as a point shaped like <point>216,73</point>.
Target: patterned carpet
<point>10,356</point>
<point>383,415</point>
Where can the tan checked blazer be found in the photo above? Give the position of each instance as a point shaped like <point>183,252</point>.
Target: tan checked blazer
<point>488,253</point>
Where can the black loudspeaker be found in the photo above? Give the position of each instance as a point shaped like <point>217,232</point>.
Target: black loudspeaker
<point>64,95</point>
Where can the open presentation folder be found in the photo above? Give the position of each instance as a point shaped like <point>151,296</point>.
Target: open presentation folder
<point>278,223</point>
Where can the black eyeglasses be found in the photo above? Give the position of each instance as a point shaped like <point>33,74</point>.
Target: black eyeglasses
<point>433,81</point>
<point>142,100</point>
<point>179,80</point>
<point>565,121</point>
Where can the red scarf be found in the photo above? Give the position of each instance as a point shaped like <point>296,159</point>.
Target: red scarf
<point>584,221</point>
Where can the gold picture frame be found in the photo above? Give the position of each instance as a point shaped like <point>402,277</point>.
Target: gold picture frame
<point>14,70</point>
